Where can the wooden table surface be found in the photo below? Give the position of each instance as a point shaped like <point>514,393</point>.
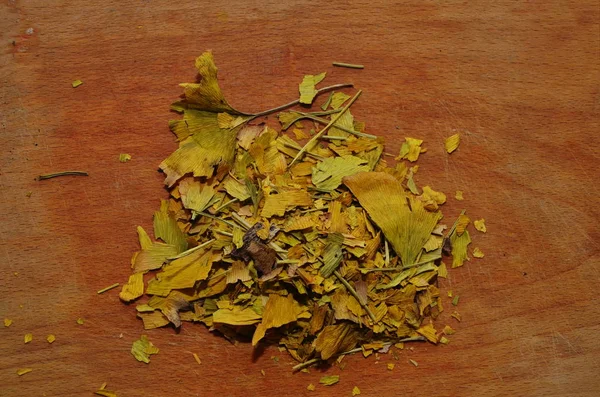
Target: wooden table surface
<point>519,81</point>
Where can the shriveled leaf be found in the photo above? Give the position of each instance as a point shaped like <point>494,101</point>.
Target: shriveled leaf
<point>451,143</point>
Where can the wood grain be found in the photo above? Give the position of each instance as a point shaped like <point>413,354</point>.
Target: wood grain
<point>518,80</point>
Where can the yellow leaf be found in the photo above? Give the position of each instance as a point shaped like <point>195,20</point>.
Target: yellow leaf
<point>7,322</point>
<point>406,228</point>
<point>182,273</point>
<point>28,338</point>
<point>480,225</point>
<point>51,338</point>
<point>335,339</point>
<point>196,196</point>
<point>134,288</point>
<point>80,321</point>
<point>310,387</point>
<point>459,248</point>
<point>307,87</point>
<point>327,174</point>
<point>452,143</point>
<point>278,204</point>
<point>432,199</point>
<point>459,195</point>
<point>278,311</point>
<point>390,366</point>
<point>236,189</point>
<point>429,332</point>
<point>329,380</point>
<point>236,316</point>
<point>154,319</point>
<point>410,149</point>
<point>142,349</point>
<point>23,371</point>
<point>355,391</point>
<point>238,272</point>
<point>477,253</point>
<point>124,157</point>
<point>338,99</point>
<point>76,83</point>
<point>206,94</point>
<point>105,393</point>
<point>197,359</point>
<point>166,228</point>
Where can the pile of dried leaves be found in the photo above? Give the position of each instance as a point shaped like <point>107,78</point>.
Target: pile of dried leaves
<point>319,247</point>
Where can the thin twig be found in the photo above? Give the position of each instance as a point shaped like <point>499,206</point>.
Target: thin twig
<point>225,205</point>
<point>354,294</point>
<point>186,253</point>
<point>355,350</point>
<point>339,127</point>
<point>328,126</point>
<point>103,290</point>
<point>348,65</point>
<point>215,218</point>
<point>400,268</point>
<point>63,173</point>
<point>297,101</point>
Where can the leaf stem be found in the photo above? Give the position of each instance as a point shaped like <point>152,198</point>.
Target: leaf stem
<point>63,173</point>
<point>328,126</point>
<point>297,101</point>
<point>354,294</point>
<point>348,65</point>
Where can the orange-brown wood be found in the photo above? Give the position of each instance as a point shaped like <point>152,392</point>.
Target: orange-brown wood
<point>518,80</point>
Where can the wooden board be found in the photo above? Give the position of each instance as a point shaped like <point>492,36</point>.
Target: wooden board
<point>518,80</point>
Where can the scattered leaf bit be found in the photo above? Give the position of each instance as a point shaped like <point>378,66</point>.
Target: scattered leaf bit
<point>411,149</point>
<point>7,322</point>
<point>413,362</point>
<point>455,300</point>
<point>451,143</point>
<point>329,380</point>
<point>142,349</point>
<point>28,338</point>
<point>310,387</point>
<point>477,253</point>
<point>105,393</point>
<point>480,225</point>
<point>76,83</point>
<point>355,391</point>
<point>23,371</point>
<point>390,366</point>
<point>51,338</point>
<point>80,321</point>
<point>263,373</point>
<point>124,157</point>
<point>307,87</point>
<point>197,359</point>
<point>459,195</point>
<point>457,316</point>
<point>444,340</point>
<point>448,330</point>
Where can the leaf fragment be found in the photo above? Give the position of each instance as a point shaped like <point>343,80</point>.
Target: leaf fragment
<point>307,87</point>
<point>329,380</point>
<point>50,338</point>
<point>124,157</point>
<point>23,371</point>
<point>142,349</point>
<point>451,143</point>
<point>7,322</point>
<point>355,391</point>
<point>477,253</point>
<point>480,225</point>
<point>28,338</point>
